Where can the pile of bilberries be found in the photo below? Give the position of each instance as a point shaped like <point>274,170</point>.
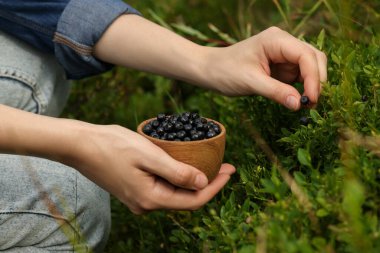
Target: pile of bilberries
<point>187,126</point>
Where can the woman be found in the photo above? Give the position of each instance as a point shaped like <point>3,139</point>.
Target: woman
<point>85,37</point>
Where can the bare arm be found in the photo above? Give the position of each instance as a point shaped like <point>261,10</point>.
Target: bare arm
<point>117,159</point>
<point>264,64</point>
<point>29,134</point>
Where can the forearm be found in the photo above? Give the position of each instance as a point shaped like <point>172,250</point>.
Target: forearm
<point>137,43</point>
<point>264,64</point>
<point>26,133</point>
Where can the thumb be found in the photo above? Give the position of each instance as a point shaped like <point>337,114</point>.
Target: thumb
<point>279,92</point>
<point>176,172</point>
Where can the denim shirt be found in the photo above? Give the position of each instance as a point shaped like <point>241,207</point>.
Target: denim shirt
<point>69,29</point>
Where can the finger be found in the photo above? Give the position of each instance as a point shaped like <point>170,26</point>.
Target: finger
<point>227,169</point>
<point>322,64</point>
<point>182,199</point>
<point>178,173</point>
<point>308,65</point>
<point>291,49</point>
<point>278,91</point>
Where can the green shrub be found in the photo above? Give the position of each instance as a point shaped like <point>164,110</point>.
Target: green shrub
<point>298,188</point>
<point>307,188</point>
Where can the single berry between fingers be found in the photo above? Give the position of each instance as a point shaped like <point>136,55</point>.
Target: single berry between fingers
<point>305,100</point>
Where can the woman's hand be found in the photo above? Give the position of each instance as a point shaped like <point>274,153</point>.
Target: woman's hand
<point>142,175</point>
<point>265,65</point>
<point>124,163</point>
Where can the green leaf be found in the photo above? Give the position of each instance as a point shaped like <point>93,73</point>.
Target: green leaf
<point>368,69</point>
<point>335,58</point>
<point>315,116</point>
<point>304,157</point>
<point>321,39</point>
<point>319,243</point>
<point>247,249</point>
<point>190,31</point>
<point>268,186</point>
<point>286,140</point>
<point>246,205</point>
<point>300,178</point>
<point>322,213</point>
<point>222,35</point>
<point>158,19</point>
<point>353,199</point>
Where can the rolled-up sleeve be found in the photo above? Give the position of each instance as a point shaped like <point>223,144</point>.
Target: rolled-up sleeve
<point>79,27</point>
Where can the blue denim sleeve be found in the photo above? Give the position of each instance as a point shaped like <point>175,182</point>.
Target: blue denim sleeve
<point>33,21</point>
<point>67,28</point>
<point>80,26</point>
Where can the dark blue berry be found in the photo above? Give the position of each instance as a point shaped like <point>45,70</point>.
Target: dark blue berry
<point>184,119</point>
<point>178,126</point>
<point>155,135</point>
<point>173,119</point>
<point>164,124</point>
<point>168,127</point>
<point>195,137</point>
<point>199,126</point>
<point>192,132</point>
<point>161,117</point>
<point>187,127</point>
<point>147,129</point>
<point>209,125</point>
<point>155,123</point>
<point>194,115</point>
<point>181,134</point>
<point>186,139</point>
<point>210,134</point>
<point>201,135</point>
<point>164,136</point>
<point>197,121</point>
<point>216,129</point>
<point>170,136</point>
<point>160,130</point>
<point>364,98</point>
<point>305,100</point>
<point>304,120</point>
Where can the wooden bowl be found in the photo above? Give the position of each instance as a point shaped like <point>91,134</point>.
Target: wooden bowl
<point>205,155</point>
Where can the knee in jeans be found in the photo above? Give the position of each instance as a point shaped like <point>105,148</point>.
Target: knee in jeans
<point>93,213</point>
<point>18,94</point>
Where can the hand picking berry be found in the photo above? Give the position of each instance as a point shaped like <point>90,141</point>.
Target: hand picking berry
<point>184,127</point>
<point>305,100</point>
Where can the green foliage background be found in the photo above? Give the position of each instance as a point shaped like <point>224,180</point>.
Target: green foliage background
<point>298,188</point>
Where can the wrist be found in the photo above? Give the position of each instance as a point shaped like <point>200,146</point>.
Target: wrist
<point>72,138</point>
<point>216,70</point>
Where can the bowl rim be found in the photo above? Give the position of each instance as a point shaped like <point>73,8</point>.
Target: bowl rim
<point>222,134</point>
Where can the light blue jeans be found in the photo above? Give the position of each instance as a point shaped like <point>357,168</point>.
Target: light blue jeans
<point>45,206</point>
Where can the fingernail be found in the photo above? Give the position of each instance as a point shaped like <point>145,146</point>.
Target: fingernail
<point>291,102</point>
<point>201,181</point>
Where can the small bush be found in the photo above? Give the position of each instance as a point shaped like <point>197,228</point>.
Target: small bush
<point>298,188</point>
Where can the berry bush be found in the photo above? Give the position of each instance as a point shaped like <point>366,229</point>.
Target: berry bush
<point>306,181</point>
